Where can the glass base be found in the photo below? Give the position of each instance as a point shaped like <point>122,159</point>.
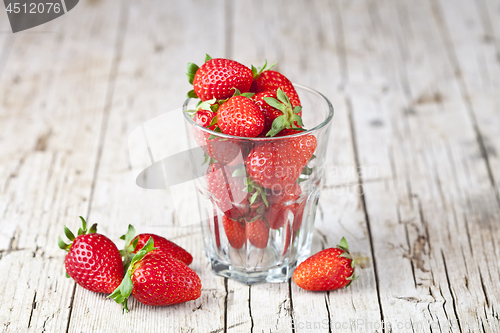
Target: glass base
<point>274,275</point>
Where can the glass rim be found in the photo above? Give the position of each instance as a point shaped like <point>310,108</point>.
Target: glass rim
<point>325,122</point>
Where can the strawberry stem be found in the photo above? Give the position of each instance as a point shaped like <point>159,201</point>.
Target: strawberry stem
<point>129,246</point>
<point>289,118</point>
<point>121,294</point>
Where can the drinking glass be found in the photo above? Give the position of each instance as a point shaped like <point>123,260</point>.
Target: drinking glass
<point>257,230</point>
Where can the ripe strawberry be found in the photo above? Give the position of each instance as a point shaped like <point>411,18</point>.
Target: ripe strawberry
<point>280,162</point>
<point>282,200</point>
<point>217,77</point>
<point>227,192</point>
<point>156,278</point>
<point>204,118</point>
<point>163,244</point>
<point>93,260</point>
<point>279,112</point>
<point>268,80</point>
<point>326,270</point>
<point>235,232</point>
<point>240,116</point>
<point>257,233</point>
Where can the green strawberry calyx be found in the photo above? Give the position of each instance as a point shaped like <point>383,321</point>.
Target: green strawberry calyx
<point>82,231</point>
<point>121,294</point>
<point>129,247</point>
<point>251,187</point>
<point>345,254</point>
<point>290,117</point>
<point>192,68</point>
<point>258,70</point>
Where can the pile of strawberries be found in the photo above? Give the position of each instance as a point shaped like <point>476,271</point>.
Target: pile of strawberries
<point>151,268</point>
<point>254,182</point>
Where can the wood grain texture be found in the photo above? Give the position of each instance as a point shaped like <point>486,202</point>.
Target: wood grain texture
<point>412,177</point>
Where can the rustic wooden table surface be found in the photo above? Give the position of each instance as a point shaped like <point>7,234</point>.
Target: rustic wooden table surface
<point>412,180</point>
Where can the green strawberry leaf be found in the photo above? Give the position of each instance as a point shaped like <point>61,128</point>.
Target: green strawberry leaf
<point>191,113</point>
<point>239,172</point>
<point>297,109</point>
<point>69,234</point>
<point>237,92</point>
<point>248,94</point>
<point>191,71</point>
<point>93,229</point>
<point>121,294</point>
<point>213,122</point>
<point>67,275</point>
<point>282,97</point>
<point>275,103</point>
<point>264,198</point>
<point>206,105</point>
<point>253,197</point>
<point>62,245</point>
<point>343,245</point>
<point>207,57</point>
<point>84,226</point>
<point>277,125</point>
<point>191,94</point>
<point>297,119</point>
<point>254,71</point>
<point>257,71</point>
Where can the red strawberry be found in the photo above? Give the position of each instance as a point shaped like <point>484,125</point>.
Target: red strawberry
<point>288,131</point>
<point>93,260</point>
<point>280,162</point>
<point>269,112</point>
<point>235,232</point>
<point>163,244</point>
<point>156,278</point>
<point>326,270</point>
<point>279,112</point>
<point>227,191</point>
<point>204,118</point>
<point>240,116</point>
<point>217,77</point>
<point>271,81</point>
<point>257,233</point>
<point>282,200</point>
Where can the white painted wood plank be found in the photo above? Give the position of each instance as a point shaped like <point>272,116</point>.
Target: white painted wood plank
<point>306,40</point>
<point>150,80</point>
<point>53,91</point>
<point>427,142</point>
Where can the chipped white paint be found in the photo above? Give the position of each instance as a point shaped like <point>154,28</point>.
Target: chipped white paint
<point>415,90</point>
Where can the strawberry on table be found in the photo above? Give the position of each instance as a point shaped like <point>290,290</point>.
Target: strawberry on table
<point>326,270</point>
<point>156,278</point>
<point>217,77</point>
<point>240,116</point>
<point>279,163</point>
<point>93,260</point>
<point>133,244</point>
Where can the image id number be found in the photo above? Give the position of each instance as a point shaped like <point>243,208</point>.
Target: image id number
<point>33,8</point>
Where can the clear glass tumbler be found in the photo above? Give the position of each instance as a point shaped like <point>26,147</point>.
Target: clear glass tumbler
<point>257,197</point>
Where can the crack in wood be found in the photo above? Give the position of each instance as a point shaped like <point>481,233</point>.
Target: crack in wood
<point>363,201</point>
<point>290,310</point>
<point>33,307</point>
<point>455,310</point>
<point>250,307</point>
<point>452,56</point>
